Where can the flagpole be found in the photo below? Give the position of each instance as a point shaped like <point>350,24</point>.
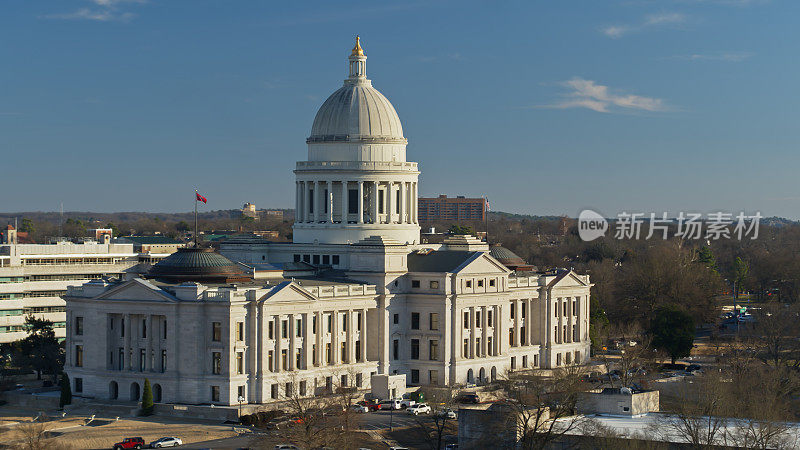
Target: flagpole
<point>195,217</point>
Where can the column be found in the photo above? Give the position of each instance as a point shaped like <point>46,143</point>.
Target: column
<point>389,203</point>
<point>317,202</point>
<point>375,187</point>
<point>297,201</point>
<point>472,332</point>
<point>484,331</point>
<point>329,199</point>
<point>306,342</point>
<point>318,339</point>
<point>517,323</point>
<point>350,337</point>
<point>360,202</point>
<point>362,335</point>
<point>501,348</point>
<point>345,201</point>
<point>276,320</point>
<point>416,203</point>
<point>290,359</point>
<point>403,204</point>
<point>335,338</point>
<point>127,343</point>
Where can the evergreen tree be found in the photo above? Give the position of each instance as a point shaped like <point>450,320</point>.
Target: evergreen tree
<point>66,392</point>
<point>673,331</point>
<point>147,398</point>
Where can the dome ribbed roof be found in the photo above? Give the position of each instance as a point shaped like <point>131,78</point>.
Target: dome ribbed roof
<point>197,264</point>
<point>506,257</point>
<point>357,111</point>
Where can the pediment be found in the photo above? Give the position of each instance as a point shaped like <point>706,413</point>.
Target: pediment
<point>570,279</point>
<point>139,290</point>
<point>288,291</point>
<point>482,263</point>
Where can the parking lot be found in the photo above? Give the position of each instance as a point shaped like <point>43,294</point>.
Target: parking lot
<point>383,420</point>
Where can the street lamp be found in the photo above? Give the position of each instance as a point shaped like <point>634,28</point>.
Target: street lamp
<point>241,400</point>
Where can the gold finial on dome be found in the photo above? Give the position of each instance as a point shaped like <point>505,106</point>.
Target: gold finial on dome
<point>357,50</point>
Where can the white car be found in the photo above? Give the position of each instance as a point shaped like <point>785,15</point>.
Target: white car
<point>359,408</point>
<point>419,408</point>
<point>166,442</point>
<point>448,413</point>
<point>391,404</point>
<point>286,447</point>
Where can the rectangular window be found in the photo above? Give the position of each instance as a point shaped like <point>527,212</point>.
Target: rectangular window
<point>306,258</point>
<point>288,389</point>
<point>326,260</point>
<point>352,201</point>
<point>163,361</point>
<point>240,393</point>
<point>575,306</point>
<point>314,324</point>
<point>214,393</point>
<point>303,388</point>
<point>491,282</point>
<point>434,321</point>
<point>524,361</point>
<point>433,376</point>
<point>239,363</point>
<point>298,360</point>
<point>513,310</point>
<point>314,354</point>
<point>522,336</point>
<point>490,348</point>
<point>144,328</point>
<point>315,260</point>
<point>396,319</point>
<point>121,359</point>
<point>466,348</point>
<point>344,352</point>
<point>489,318</point>
<point>298,328</point>
<point>164,329</point>
<point>271,361</point>
<point>335,260</point>
<point>434,350</point>
<point>469,283</point>
<point>414,376</point>
<point>78,356</point>
<point>274,391</point>
<point>216,363</point>
<point>478,319</point>
<point>434,285</point>
<point>380,202</point>
<point>415,349</point>
<point>414,283</point>
<point>284,329</point>
<point>522,310</point>
<point>511,337</point>
<point>480,283</point>
<point>414,321</point>
<point>330,322</point>
<point>78,326</point>
<point>284,359</point>
<point>358,351</point>
<point>558,359</point>
<point>297,258</point>
<point>395,349</point>
<point>513,362</point>
<point>358,321</point>
<point>325,210</point>
<point>216,331</point>
<point>142,357</point>
<point>78,385</point>
<point>328,353</point>
<point>344,322</point>
<point>122,328</point>
<point>359,379</point>
<point>240,331</point>
<point>535,360</point>
<point>478,347</point>
<point>466,319</point>
<point>310,205</point>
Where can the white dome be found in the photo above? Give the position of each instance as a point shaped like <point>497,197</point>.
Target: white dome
<point>357,111</point>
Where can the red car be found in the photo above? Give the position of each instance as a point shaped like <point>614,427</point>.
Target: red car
<point>371,405</point>
<point>133,442</point>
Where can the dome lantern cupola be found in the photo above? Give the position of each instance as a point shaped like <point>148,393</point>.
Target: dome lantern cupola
<point>358,63</point>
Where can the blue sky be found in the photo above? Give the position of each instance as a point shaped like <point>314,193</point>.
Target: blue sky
<point>545,107</point>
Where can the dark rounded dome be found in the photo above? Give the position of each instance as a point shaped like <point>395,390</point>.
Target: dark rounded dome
<point>508,258</point>
<point>197,264</point>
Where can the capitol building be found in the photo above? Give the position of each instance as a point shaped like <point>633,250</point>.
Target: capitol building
<point>355,300</point>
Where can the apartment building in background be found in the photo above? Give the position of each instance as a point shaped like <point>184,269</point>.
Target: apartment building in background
<point>452,208</point>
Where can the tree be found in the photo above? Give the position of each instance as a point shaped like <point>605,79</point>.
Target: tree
<point>147,398</point>
<point>182,226</point>
<point>27,226</point>
<point>40,350</point>
<point>114,229</point>
<point>66,392</point>
<point>741,270</point>
<point>672,330</point>
<point>706,257</point>
<point>459,229</point>
<point>433,429</point>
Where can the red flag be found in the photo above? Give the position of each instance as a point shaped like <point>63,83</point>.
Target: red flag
<point>200,197</point>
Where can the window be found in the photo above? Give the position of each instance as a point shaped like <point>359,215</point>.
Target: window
<point>142,356</point>
<point>216,363</point>
<point>535,360</point>
<point>164,329</point>
<point>491,282</point>
<point>271,361</point>
<point>558,359</point>
<point>299,328</point>
<point>358,321</point>
<point>315,260</point>
<point>314,354</point>
<point>434,350</point>
<point>344,380</point>
<point>240,393</point>
<point>214,393</point>
<point>489,346</point>
<point>478,346</point>
<point>274,391</point>
<point>478,319</point>
<point>306,258</point>
<point>121,359</point>
<point>575,306</point>
<point>522,310</point>
<point>330,322</point>
<point>414,321</point>
<point>335,260</point>
<point>380,202</point>
<point>163,361</point>
<point>122,327</point>
<point>433,376</point>
<point>568,358</point>
<point>414,376</point>
<point>522,336</point>
<point>303,388</point>
<point>524,361</point>
<point>511,337</point>
<point>466,319</point>
<point>414,283</point>
<point>352,201</point>
<point>344,322</point>
<point>216,331</point>
<point>284,359</point>
<point>396,319</point>
<point>358,351</point>
<point>469,283</point>
<point>555,334</point>
<point>325,203</point>
<point>359,379</point>
<point>310,205</point>
<point>434,285</point>
<point>513,362</point>
<point>434,321</point>
<point>284,329</point>
<point>415,349</point>
<point>489,318</point>
<point>466,348</point>
<point>79,326</point>
<point>239,331</point>
<point>395,349</point>
<point>343,353</point>
<point>328,353</point>
<point>326,260</point>
<point>288,389</point>
<point>144,328</point>
<point>240,363</point>
<point>78,356</point>
<point>296,258</point>
<point>480,283</point>
<point>111,324</point>
<point>78,384</point>
<point>314,324</point>
<point>513,310</point>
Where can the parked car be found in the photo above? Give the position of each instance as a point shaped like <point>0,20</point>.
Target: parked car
<point>286,447</point>
<point>166,442</point>
<point>419,408</point>
<point>448,413</point>
<point>371,405</point>
<point>131,442</point>
<point>451,447</point>
<point>405,401</point>
<point>391,404</point>
<point>359,408</point>
<point>470,397</point>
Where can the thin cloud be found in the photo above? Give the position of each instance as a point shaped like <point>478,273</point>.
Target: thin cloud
<point>103,11</point>
<point>650,21</point>
<point>724,56</point>
<point>588,94</point>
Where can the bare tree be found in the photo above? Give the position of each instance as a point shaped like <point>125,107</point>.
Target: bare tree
<point>635,354</point>
<point>776,336</point>
<point>434,428</point>
<point>700,415</point>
